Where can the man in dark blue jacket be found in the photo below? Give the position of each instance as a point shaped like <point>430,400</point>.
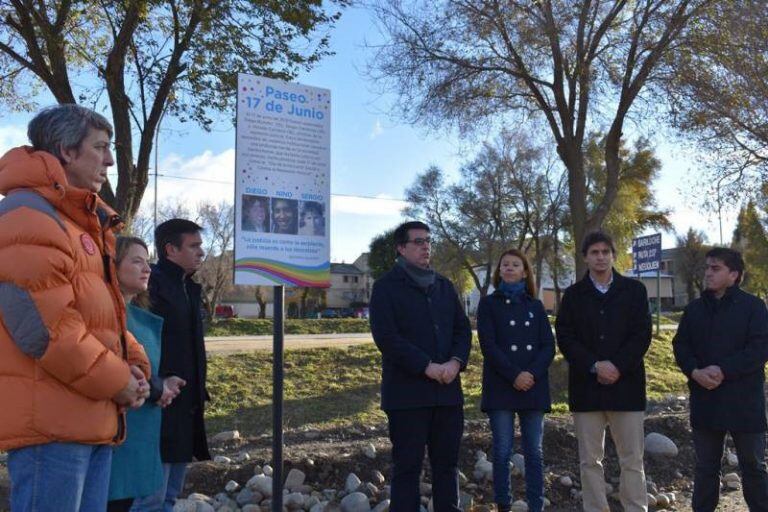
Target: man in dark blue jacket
<point>419,325</point>
<point>722,346</point>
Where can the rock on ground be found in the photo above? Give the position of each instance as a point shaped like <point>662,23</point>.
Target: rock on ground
<point>355,502</point>
<point>352,483</point>
<point>658,444</point>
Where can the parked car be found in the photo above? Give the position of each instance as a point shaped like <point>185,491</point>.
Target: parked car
<point>225,311</point>
<point>330,313</point>
<point>363,312</point>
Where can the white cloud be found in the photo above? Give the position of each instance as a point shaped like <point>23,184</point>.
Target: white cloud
<point>12,136</point>
<point>376,130</point>
<point>206,176</point>
<point>379,206</point>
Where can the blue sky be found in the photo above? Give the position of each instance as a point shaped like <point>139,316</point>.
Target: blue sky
<point>372,155</point>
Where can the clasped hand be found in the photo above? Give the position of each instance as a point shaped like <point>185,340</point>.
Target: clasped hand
<point>171,388</point>
<point>607,373</point>
<point>524,381</point>
<point>709,378</point>
<point>443,373</point>
<point>135,392</point>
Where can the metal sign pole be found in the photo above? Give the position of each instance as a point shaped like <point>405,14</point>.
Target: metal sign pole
<point>658,301</point>
<point>277,400</point>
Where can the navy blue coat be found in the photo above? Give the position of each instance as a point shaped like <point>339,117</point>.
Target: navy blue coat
<point>731,333</point>
<point>615,326</point>
<point>176,299</point>
<point>515,336</point>
<point>412,327</point>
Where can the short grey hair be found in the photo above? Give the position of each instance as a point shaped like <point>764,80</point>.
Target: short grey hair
<point>64,126</point>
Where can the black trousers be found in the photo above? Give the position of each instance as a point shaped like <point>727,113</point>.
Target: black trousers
<point>750,449</point>
<point>440,430</point>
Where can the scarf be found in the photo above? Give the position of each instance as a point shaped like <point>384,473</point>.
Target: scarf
<point>423,277</point>
<point>513,291</point>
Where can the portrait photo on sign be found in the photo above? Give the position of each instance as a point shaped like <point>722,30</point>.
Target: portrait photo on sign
<point>311,218</point>
<point>285,216</point>
<point>255,213</point>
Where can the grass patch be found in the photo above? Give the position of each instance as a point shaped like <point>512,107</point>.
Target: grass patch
<point>674,316</point>
<point>666,318</point>
<point>330,387</point>
<point>255,327</point>
<point>662,374</point>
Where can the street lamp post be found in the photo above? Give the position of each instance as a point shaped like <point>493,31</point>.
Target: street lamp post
<point>157,151</point>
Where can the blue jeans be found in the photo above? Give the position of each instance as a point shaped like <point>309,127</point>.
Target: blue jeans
<point>165,497</point>
<point>532,430</point>
<point>61,477</point>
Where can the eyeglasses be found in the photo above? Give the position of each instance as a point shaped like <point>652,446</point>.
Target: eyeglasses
<point>420,241</point>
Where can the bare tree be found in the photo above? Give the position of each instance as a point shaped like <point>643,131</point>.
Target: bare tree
<point>216,273</point>
<point>142,224</point>
<point>720,95</point>
<point>501,201</point>
<point>573,64</point>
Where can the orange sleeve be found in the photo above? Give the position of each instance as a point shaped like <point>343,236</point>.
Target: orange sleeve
<point>37,265</point>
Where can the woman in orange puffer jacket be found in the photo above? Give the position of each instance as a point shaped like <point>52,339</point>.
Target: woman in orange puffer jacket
<point>68,366</point>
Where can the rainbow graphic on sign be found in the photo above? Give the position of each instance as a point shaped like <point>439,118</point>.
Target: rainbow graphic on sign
<point>282,273</point>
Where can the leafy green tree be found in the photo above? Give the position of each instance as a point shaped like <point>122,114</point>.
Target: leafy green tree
<point>142,60</point>
<point>571,65</point>
<point>446,260</point>
<point>635,209</point>
<point>690,261</point>
<point>751,239</point>
<point>382,253</point>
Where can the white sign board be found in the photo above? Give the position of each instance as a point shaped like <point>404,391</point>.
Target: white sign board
<point>282,183</point>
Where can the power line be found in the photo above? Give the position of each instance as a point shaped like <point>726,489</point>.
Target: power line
<point>220,182</point>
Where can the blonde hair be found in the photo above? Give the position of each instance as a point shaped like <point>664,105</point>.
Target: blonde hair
<point>530,281</point>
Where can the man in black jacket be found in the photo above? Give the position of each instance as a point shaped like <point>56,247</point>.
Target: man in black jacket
<point>177,299</point>
<point>604,330</point>
<point>721,345</point>
<point>424,337</point>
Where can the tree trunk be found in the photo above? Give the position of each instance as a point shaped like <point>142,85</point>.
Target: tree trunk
<point>539,263</point>
<point>577,202</point>
<point>304,295</point>
<point>690,291</point>
<point>556,273</point>
<point>262,302</point>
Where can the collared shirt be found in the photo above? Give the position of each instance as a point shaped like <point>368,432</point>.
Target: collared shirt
<point>602,288</point>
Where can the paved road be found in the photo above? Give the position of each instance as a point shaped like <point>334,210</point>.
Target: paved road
<point>235,344</point>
